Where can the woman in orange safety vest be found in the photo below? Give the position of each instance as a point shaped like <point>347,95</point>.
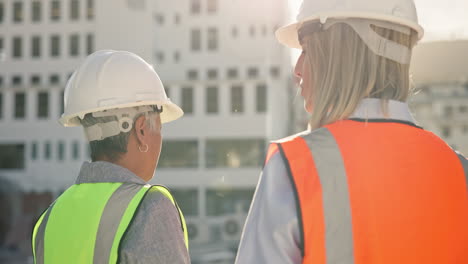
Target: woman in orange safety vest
<point>364,184</point>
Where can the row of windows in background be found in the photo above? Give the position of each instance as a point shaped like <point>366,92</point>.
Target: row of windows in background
<point>55,43</point>
<point>20,105</point>
<point>219,153</point>
<point>35,80</point>
<point>192,75</point>
<point>237,102</point>
<point>187,101</point>
<point>219,202</point>
<point>22,10</point>
<point>212,37</point>
<point>231,73</point>
<point>160,19</point>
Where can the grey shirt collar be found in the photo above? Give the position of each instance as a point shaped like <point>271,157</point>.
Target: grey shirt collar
<point>102,171</point>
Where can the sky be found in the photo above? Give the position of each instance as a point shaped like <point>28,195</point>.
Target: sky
<point>441,19</point>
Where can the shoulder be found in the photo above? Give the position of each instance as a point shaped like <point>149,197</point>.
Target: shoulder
<point>156,200</point>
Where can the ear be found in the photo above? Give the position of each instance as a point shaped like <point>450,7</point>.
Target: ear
<point>140,128</point>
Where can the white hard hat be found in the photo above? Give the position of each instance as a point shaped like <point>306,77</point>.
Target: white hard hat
<point>110,79</point>
<point>396,13</point>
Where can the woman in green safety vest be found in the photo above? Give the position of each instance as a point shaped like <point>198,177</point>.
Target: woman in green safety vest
<point>111,214</point>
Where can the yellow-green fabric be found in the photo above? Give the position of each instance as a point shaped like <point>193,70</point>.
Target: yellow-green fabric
<point>68,239</point>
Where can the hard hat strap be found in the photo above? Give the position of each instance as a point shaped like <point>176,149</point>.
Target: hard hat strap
<point>124,122</point>
<point>376,43</point>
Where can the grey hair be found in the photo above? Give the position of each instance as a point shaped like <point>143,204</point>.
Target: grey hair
<point>115,146</point>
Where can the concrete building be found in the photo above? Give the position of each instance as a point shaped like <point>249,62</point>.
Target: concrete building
<point>219,61</point>
<point>440,73</point>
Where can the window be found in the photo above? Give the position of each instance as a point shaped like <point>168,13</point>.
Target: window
<point>195,6</point>
<point>17,12</point>
<point>76,150</point>
<point>90,9</point>
<point>234,153</point>
<point>35,46</point>
<point>212,6</point>
<point>16,80</point>
<point>12,156</point>
<point>234,32</point>
<point>220,202</point>
<point>2,10</point>
<point>17,47</point>
<point>167,89</point>
<point>160,57</point>
<point>261,96</point>
<point>176,56</point>
<point>54,79</point>
<point>232,73</point>
<point>446,132</point>
<point>187,100</point>
<point>448,111</point>
<point>42,105</point>
<point>212,39</point>
<point>34,151</point>
<point>74,45</point>
<point>36,11</point>
<point>179,154</point>
<point>463,109</point>
<point>237,99</point>
<point>74,9</point>
<point>1,105</point>
<point>252,31</point>
<point>159,19</point>
<point>20,105</point>
<point>192,75</point>
<point>465,129</point>
<point>47,150</point>
<point>62,102</point>
<point>195,39</point>
<point>275,71</point>
<point>212,99</point>
<point>252,72</point>
<point>1,46</point>
<point>55,46</point>
<point>35,80</point>
<point>55,10</point>
<point>212,74</point>
<point>89,44</point>
<point>187,199</point>
<point>1,81</point>
<point>264,30</point>
<point>61,150</point>
<point>176,19</point>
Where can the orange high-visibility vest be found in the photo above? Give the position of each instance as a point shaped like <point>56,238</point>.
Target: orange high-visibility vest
<point>377,192</point>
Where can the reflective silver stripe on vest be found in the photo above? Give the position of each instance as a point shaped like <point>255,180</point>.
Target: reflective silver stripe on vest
<point>39,243</point>
<point>336,204</point>
<point>110,220</point>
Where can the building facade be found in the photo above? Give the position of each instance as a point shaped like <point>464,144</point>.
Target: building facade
<point>218,60</point>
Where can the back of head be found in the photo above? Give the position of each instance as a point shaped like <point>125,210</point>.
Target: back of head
<point>345,70</point>
<point>107,93</point>
<point>356,49</point>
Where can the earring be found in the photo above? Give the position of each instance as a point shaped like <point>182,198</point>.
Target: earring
<point>145,150</point>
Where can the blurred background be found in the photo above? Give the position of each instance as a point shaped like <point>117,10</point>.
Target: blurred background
<point>220,62</point>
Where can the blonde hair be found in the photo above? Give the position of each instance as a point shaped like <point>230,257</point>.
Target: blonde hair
<point>344,71</point>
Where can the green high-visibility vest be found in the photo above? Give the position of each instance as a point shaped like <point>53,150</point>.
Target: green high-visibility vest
<point>87,222</point>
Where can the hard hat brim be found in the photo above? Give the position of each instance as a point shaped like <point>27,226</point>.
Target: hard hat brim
<point>170,112</point>
<point>288,35</point>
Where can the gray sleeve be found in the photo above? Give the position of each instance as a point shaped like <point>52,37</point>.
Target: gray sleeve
<point>155,235</point>
<point>271,233</point>
<point>464,163</point>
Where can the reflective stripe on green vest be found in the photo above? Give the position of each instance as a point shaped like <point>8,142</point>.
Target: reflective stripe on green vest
<point>88,221</point>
